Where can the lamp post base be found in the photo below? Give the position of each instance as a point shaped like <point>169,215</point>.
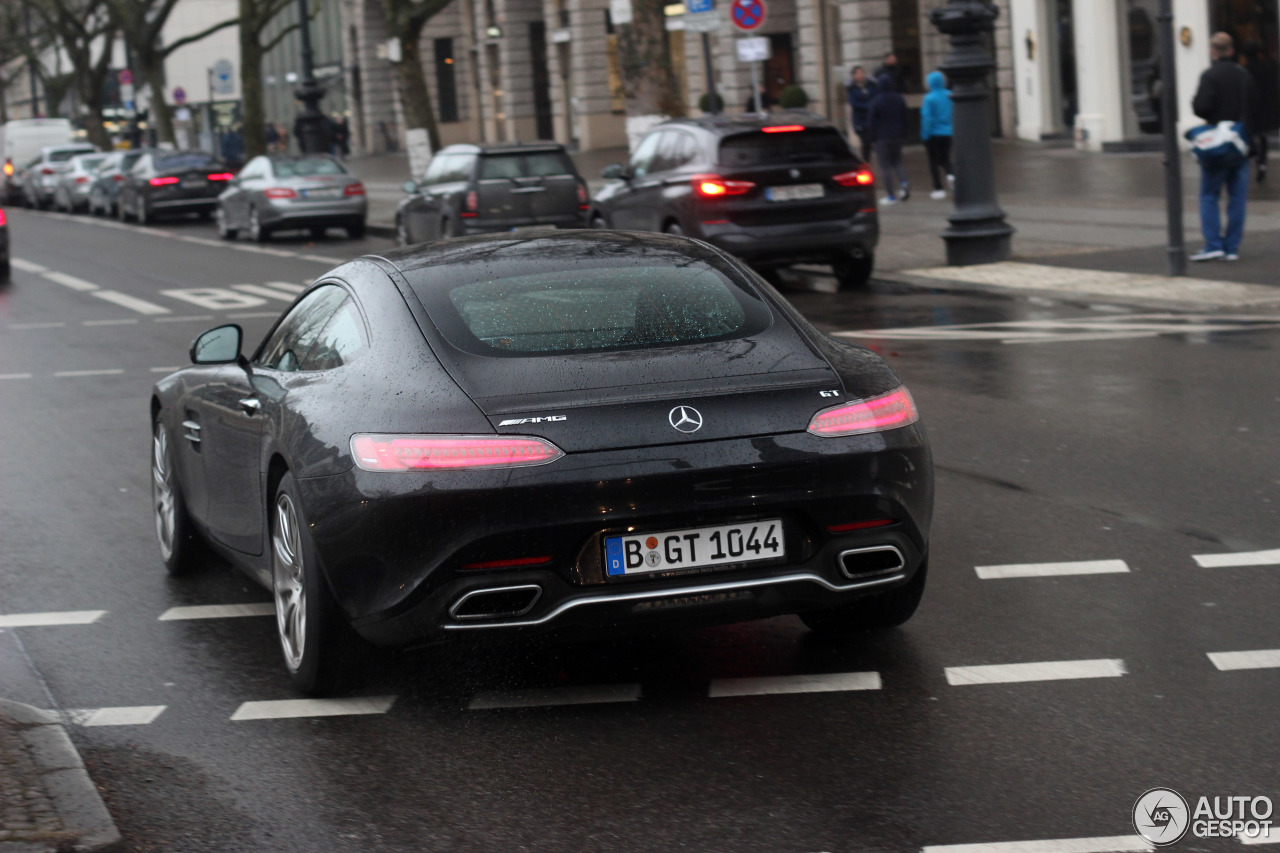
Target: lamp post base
<point>984,244</point>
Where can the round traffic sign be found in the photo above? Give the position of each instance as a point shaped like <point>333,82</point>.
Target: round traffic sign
<point>126,77</point>
<point>179,95</point>
<point>747,14</point>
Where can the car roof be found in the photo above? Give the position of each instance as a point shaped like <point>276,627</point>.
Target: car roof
<point>83,147</point>
<point>728,125</point>
<point>501,147</point>
<point>286,158</point>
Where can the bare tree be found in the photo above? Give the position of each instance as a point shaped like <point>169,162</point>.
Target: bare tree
<point>405,20</point>
<point>80,27</point>
<point>255,17</point>
<point>644,58</point>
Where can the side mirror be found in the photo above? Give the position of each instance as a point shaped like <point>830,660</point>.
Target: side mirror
<point>218,346</point>
<point>410,187</point>
<point>613,172</point>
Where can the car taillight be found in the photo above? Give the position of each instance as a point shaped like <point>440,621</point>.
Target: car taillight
<point>513,563</point>
<point>118,177</point>
<point>8,167</point>
<point>163,182</point>
<point>354,189</point>
<point>3,219</point>
<point>582,197</point>
<point>860,525</point>
<point>714,186</point>
<point>859,178</point>
<point>279,192</point>
<point>434,452</point>
<point>47,171</point>
<point>83,179</point>
<point>783,128</point>
<point>875,414</point>
<point>471,207</point>
<point>221,176</point>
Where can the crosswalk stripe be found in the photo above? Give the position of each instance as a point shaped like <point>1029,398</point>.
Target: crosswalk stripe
<point>217,611</point>
<point>27,266</point>
<point>281,709</point>
<point>1041,570</point>
<point>1243,558</point>
<point>1259,659</point>
<point>37,620</point>
<point>136,715</point>
<point>551,696</point>
<point>1043,671</point>
<point>1113,844</point>
<point>133,303</point>
<point>832,682</point>
<point>70,281</point>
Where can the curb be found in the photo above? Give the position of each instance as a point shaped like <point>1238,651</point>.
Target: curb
<point>379,229</point>
<point>71,791</point>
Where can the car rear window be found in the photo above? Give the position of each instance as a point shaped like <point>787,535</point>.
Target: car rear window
<point>88,163</point>
<point>306,168</point>
<point>537,164</point>
<point>183,161</point>
<point>763,149</point>
<point>64,156</point>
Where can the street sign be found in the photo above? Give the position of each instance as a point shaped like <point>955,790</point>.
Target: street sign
<point>222,82</point>
<point>179,95</point>
<point>126,77</point>
<point>620,12</point>
<point>699,7</point>
<point>703,22</point>
<point>754,50</point>
<point>748,14</point>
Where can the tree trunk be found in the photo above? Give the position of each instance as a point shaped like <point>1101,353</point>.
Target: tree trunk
<point>413,86</point>
<point>159,115</point>
<point>647,78</point>
<point>255,137</point>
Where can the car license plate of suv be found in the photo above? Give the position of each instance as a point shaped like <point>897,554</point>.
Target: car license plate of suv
<point>694,547</point>
<point>794,193</point>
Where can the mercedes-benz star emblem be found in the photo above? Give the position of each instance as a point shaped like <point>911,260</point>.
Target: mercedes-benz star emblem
<point>685,418</point>
<point>795,174</point>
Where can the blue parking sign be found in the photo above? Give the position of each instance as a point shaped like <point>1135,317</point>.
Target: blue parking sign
<point>699,7</point>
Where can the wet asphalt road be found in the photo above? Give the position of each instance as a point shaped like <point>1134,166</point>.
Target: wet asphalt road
<point>1053,443</point>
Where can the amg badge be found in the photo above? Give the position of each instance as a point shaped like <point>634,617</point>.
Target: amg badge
<point>541,420</point>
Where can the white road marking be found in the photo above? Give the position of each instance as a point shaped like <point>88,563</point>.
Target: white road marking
<point>128,322</point>
<point>163,369</point>
<point>322,259</point>
<point>70,281</point>
<point>27,266</point>
<point>17,326</point>
<point>1113,844</point>
<point>260,290</point>
<point>114,371</point>
<point>545,697</point>
<point>15,375</point>
<point>1080,329</point>
<point>41,620</point>
<point>279,253</point>
<point>1244,558</point>
<point>187,319</point>
<point>217,611</point>
<point>287,286</point>
<point>133,303</point>
<point>832,682</point>
<point>1265,837</point>
<point>1041,570</point>
<point>281,709</point>
<point>1043,671</point>
<point>201,241</point>
<point>253,315</point>
<point>215,298</point>
<point>1259,659</point>
<point>136,715</point>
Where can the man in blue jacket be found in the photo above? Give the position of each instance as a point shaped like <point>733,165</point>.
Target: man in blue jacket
<point>888,121</point>
<point>935,131</point>
<point>860,92</point>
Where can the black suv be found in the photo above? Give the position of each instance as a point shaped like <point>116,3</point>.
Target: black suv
<point>778,189</point>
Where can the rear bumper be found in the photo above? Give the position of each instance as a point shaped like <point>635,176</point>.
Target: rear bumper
<point>302,214</point>
<point>184,204</point>
<point>482,226</point>
<point>794,242</point>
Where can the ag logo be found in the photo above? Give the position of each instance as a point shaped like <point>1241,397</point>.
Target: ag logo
<point>1161,816</point>
<point>685,418</point>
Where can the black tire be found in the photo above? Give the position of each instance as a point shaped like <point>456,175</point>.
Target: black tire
<point>402,231</point>
<point>873,613</point>
<point>598,221</point>
<point>4,272</point>
<point>317,233</point>
<point>181,548</point>
<point>853,271</point>
<point>321,652</point>
<point>122,212</point>
<point>258,232</point>
<point>225,231</point>
<point>356,231</point>
<point>140,211</point>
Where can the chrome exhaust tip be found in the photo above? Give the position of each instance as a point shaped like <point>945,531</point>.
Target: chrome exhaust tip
<point>872,561</point>
<point>499,602</point>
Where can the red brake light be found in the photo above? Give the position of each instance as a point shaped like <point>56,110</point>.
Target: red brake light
<point>3,219</point>
<point>582,197</point>
<point>221,176</point>
<point>118,176</point>
<point>163,182</point>
<point>47,171</point>
<point>433,452</point>
<point>279,192</point>
<point>783,128</point>
<point>470,207</point>
<point>875,414</point>
<point>860,178</point>
<point>354,189</point>
<point>714,186</point>
<point>860,525</point>
<point>508,564</point>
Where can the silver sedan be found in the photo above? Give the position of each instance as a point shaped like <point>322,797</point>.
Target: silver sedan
<point>281,192</point>
<point>72,190</point>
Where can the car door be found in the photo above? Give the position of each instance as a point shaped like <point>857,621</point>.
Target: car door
<point>627,210</point>
<point>422,212</point>
<point>249,184</point>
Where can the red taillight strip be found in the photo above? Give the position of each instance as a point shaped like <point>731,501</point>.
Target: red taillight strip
<point>221,176</point>
<point>3,219</point>
<point>783,128</point>
<point>437,452</point>
<point>279,192</point>
<point>858,178</point>
<point>875,414</point>
<point>354,189</point>
<point>860,525</point>
<point>163,182</point>
<point>508,564</point>
<point>714,186</point>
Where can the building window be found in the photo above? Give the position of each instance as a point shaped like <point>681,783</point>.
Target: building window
<point>446,80</point>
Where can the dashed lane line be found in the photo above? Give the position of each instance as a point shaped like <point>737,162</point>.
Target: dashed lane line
<point>1265,837</point>
<point>1041,570</point>
<point>187,319</point>
<point>71,281</point>
<point>253,315</point>
<point>133,303</point>
<point>27,266</point>
<point>1258,659</point>
<point>596,694</point>
<point>21,326</point>
<point>162,369</point>
<point>834,682</point>
<point>282,709</point>
<point>1006,673</point>
<point>111,371</point>
<point>125,322</point>
<point>133,715</point>
<point>217,611</point>
<point>322,259</point>
<point>1112,844</point>
<point>1244,558</point>
<point>15,375</point>
<point>40,620</point>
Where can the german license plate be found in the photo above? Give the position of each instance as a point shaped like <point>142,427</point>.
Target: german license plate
<point>794,193</point>
<point>694,547</point>
<point>193,183</point>
<point>327,192</point>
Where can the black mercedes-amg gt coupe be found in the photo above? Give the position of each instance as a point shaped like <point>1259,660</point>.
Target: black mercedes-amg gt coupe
<point>564,430</point>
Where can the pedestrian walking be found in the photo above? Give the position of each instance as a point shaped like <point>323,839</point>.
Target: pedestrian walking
<point>282,135</point>
<point>889,65</point>
<point>935,130</point>
<point>232,148</point>
<point>1226,94</point>
<point>271,137</point>
<point>1266,80</point>
<point>888,118</point>
<point>859,92</point>
<point>341,136</point>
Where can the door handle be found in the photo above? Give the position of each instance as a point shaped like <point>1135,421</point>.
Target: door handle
<point>251,405</point>
<point>192,433</point>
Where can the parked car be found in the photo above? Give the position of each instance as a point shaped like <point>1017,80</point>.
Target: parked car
<point>105,187</point>
<point>774,189</point>
<point>43,173</point>
<point>478,189</point>
<point>4,246</point>
<point>169,182</point>
<point>20,142</point>
<point>279,192</point>
<point>72,190</point>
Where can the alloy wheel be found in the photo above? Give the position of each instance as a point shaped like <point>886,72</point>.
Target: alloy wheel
<point>288,582</point>
<point>255,225</point>
<point>162,492</point>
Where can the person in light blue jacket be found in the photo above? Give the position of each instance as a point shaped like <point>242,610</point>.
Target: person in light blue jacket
<point>935,130</point>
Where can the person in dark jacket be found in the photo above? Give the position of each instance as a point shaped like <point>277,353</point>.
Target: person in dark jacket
<point>1266,80</point>
<point>1226,93</point>
<point>888,123</point>
<point>232,148</point>
<point>860,91</point>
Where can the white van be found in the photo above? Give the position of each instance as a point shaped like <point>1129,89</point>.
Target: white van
<point>20,143</point>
